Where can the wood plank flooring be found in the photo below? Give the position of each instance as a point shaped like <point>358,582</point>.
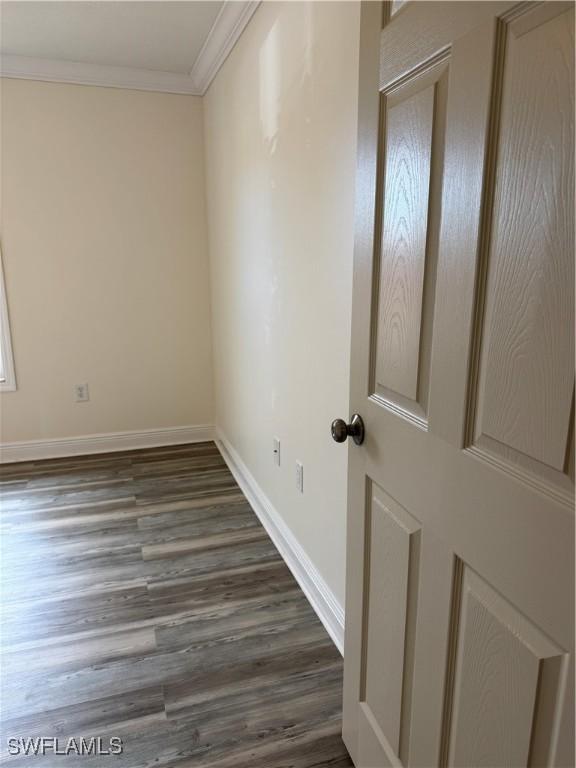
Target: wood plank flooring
<point>142,599</point>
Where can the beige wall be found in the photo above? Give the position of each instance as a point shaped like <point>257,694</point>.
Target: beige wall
<point>280,127</point>
<point>105,256</point>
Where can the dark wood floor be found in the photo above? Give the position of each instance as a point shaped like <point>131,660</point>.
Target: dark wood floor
<point>142,599</point>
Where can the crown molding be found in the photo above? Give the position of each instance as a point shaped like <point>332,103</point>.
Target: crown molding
<point>225,32</point>
<point>80,73</point>
<point>227,28</point>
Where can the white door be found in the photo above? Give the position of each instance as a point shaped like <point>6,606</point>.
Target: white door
<point>460,578</point>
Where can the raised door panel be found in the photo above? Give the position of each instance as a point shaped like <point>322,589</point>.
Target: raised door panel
<point>411,180</point>
<point>507,683</point>
<point>390,604</point>
<point>526,365</point>
<point>409,147</point>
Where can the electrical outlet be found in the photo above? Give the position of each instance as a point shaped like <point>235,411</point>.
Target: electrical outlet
<point>276,450</point>
<point>300,477</point>
<point>81,393</point>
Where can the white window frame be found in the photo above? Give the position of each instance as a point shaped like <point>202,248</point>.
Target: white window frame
<point>8,383</point>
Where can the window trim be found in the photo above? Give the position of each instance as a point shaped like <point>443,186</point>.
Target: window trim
<point>8,384</point>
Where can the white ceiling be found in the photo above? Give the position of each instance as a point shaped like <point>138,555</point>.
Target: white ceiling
<point>165,35</point>
<point>173,45</point>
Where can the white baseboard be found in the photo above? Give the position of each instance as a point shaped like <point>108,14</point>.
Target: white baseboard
<point>320,596</point>
<point>33,450</point>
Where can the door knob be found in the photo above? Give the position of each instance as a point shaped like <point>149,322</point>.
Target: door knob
<point>341,430</point>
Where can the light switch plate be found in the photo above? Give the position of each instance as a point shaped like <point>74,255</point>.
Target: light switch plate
<point>276,450</point>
